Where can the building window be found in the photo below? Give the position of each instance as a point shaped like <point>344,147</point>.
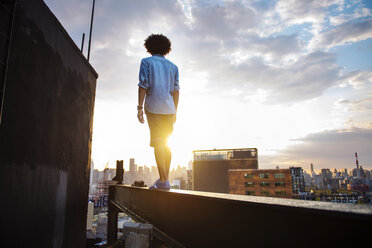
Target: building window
<point>279,175</point>
<point>264,175</point>
<point>248,175</point>
<point>280,193</point>
<point>279,184</point>
<point>249,184</point>
<point>264,184</point>
<point>265,193</point>
<point>227,154</point>
<point>249,192</point>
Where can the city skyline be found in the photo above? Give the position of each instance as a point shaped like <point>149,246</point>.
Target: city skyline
<point>291,78</point>
<point>306,168</point>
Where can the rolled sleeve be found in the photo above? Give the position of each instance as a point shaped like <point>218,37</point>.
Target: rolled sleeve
<point>176,81</point>
<point>144,75</point>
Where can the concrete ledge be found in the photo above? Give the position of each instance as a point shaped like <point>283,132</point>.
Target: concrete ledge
<point>203,219</point>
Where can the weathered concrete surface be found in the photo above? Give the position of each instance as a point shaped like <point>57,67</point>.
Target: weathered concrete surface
<point>45,134</point>
<point>204,219</point>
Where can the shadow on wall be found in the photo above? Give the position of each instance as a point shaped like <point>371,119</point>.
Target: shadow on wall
<point>46,132</point>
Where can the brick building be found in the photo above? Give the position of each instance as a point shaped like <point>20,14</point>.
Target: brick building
<point>210,167</point>
<point>266,182</point>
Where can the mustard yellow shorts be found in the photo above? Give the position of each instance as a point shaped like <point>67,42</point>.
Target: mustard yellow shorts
<point>161,127</point>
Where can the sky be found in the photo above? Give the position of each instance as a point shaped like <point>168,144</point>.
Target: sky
<point>292,78</point>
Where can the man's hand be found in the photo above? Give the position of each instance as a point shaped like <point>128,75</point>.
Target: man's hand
<point>141,98</point>
<point>140,116</point>
<point>174,118</point>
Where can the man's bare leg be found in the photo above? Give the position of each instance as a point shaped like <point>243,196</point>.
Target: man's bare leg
<point>160,157</point>
<point>168,158</point>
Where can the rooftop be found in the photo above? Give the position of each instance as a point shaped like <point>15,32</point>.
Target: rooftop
<point>202,219</point>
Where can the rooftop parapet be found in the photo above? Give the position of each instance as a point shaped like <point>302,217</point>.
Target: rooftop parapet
<point>202,219</point>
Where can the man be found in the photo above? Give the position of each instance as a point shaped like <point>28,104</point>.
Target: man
<point>158,83</point>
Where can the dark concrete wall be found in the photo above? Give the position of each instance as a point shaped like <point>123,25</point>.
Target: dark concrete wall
<point>212,176</point>
<point>199,219</point>
<point>45,134</point>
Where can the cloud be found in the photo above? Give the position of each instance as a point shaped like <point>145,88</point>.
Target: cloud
<point>276,52</point>
<point>299,12</point>
<point>305,78</point>
<point>218,35</point>
<point>344,34</point>
<point>358,79</point>
<point>120,28</point>
<point>328,149</point>
<point>359,12</point>
<point>73,18</point>
<point>223,21</point>
<point>225,42</point>
<point>360,105</point>
<point>272,49</point>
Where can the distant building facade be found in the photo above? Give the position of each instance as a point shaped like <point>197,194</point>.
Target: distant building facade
<point>298,180</point>
<point>132,166</point>
<point>210,167</point>
<point>265,182</point>
<point>189,180</point>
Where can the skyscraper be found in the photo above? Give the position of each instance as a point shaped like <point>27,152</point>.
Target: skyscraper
<point>132,166</point>
<point>298,181</point>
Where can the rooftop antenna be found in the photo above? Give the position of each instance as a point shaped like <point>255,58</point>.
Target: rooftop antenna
<point>91,27</point>
<point>82,43</point>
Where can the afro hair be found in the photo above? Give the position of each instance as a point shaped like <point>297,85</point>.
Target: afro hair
<point>158,44</point>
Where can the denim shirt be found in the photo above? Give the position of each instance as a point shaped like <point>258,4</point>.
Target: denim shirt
<point>159,77</point>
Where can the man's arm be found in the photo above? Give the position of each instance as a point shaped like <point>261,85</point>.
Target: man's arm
<point>176,96</point>
<point>141,98</point>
